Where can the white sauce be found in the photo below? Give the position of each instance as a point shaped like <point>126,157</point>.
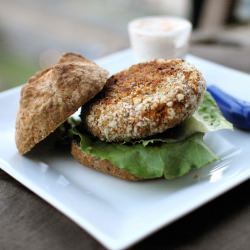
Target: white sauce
<point>159,37</point>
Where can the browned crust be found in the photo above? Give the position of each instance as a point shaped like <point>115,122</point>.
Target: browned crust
<point>52,95</point>
<point>144,100</point>
<point>70,57</point>
<point>101,165</point>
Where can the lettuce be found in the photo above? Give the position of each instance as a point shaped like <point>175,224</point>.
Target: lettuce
<point>168,160</point>
<point>208,117</point>
<point>170,155</point>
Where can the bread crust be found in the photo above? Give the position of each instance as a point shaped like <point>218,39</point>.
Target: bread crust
<point>70,57</point>
<point>52,95</point>
<point>101,165</point>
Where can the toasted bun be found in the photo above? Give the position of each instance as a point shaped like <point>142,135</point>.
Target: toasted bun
<point>52,95</point>
<point>73,57</point>
<point>144,100</point>
<point>101,165</point>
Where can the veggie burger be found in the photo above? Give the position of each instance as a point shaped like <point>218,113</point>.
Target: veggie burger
<point>145,122</point>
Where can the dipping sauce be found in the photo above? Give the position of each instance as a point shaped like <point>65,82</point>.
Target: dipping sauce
<point>159,37</point>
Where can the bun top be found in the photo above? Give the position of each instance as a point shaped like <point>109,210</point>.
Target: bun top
<point>52,95</point>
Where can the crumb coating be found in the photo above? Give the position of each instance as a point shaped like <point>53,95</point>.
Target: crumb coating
<point>144,100</point>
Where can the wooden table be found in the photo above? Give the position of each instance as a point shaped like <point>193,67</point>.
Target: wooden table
<point>27,222</point>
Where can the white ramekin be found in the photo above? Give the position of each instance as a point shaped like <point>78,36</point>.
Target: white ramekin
<point>159,37</point>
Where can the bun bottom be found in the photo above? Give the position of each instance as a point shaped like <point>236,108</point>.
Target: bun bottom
<point>104,166</point>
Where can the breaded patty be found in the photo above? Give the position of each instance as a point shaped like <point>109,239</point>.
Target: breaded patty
<point>144,100</point>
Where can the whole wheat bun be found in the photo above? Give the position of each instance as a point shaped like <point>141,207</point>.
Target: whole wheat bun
<point>52,95</point>
<point>104,166</point>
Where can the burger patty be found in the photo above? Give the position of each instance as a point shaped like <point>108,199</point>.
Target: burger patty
<point>144,100</point>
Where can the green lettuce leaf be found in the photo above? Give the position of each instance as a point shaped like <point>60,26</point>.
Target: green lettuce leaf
<point>168,160</point>
<point>208,117</point>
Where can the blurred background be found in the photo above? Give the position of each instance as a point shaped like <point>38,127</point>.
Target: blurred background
<point>34,32</point>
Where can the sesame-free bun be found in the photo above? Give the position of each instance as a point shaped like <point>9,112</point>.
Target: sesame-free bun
<point>146,99</point>
<point>52,95</point>
<point>104,166</point>
<point>73,57</point>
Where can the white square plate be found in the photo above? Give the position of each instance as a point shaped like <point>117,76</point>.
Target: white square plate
<point>119,213</point>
